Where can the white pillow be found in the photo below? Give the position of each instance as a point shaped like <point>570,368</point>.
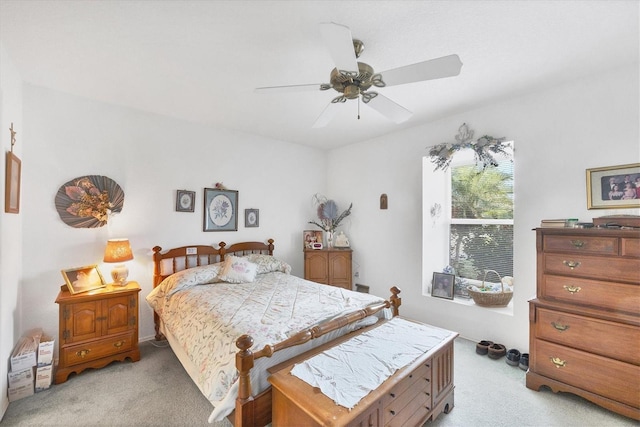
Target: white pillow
<point>268,263</point>
<point>238,270</point>
<point>194,276</point>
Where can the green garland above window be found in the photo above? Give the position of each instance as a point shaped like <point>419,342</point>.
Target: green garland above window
<point>485,148</point>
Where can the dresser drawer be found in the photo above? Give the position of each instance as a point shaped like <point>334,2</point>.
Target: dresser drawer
<point>606,377</point>
<point>581,244</point>
<point>630,247</point>
<point>92,350</point>
<point>607,268</point>
<point>408,396</point>
<point>596,293</point>
<point>615,340</point>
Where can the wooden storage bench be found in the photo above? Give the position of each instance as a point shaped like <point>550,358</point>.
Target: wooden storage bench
<point>414,394</point>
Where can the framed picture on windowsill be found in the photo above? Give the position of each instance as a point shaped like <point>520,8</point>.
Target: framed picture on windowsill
<point>442,285</point>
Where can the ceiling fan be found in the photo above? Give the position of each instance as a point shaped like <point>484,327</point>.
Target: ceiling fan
<point>353,79</point>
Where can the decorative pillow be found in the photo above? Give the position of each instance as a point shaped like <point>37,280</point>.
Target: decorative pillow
<point>194,276</point>
<point>238,270</point>
<point>268,263</point>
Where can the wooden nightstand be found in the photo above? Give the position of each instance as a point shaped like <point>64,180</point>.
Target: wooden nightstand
<point>328,266</point>
<point>97,328</point>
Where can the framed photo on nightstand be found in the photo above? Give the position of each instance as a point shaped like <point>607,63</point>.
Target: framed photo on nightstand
<point>83,279</point>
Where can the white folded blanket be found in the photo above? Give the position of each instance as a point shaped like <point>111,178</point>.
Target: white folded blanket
<point>348,372</point>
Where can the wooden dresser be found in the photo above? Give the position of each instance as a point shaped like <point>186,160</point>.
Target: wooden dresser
<point>585,321</point>
<point>328,266</point>
<point>414,394</point>
<point>97,328</point>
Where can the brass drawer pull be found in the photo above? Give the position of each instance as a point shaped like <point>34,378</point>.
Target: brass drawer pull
<point>118,344</point>
<point>572,289</point>
<point>577,243</point>
<point>82,353</point>
<point>571,264</point>
<point>558,362</point>
<point>559,326</point>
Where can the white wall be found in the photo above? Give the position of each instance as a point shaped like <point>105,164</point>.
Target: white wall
<point>150,157</point>
<point>10,224</point>
<point>558,135</point>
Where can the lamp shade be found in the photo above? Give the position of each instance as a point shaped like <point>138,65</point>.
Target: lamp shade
<point>118,251</point>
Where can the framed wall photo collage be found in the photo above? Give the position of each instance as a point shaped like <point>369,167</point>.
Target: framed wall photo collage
<point>220,211</point>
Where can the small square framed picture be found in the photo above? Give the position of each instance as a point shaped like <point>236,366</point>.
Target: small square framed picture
<point>442,285</point>
<point>185,200</point>
<point>252,217</point>
<point>311,237</point>
<point>83,279</point>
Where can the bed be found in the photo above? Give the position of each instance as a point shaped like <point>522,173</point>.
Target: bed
<point>228,324</point>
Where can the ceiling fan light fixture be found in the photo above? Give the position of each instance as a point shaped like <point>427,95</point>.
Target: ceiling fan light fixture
<point>358,47</point>
<point>352,79</point>
<point>351,92</point>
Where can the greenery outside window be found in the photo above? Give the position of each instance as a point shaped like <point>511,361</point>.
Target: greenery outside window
<point>481,201</point>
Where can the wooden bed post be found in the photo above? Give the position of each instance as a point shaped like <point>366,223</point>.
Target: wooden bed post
<point>222,250</point>
<point>156,281</point>
<point>396,301</point>
<point>244,413</point>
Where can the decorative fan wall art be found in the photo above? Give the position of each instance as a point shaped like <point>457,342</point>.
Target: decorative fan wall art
<point>88,201</point>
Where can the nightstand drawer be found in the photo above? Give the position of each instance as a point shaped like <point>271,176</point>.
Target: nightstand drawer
<point>611,339</point>
<point>92,350</point>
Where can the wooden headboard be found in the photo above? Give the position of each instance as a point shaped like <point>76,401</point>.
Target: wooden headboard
<point>177,259</point>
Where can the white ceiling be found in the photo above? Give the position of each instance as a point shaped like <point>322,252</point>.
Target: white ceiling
<point>200,60</point>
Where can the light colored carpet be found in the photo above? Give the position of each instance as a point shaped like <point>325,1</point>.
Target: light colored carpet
<point>156,391</point>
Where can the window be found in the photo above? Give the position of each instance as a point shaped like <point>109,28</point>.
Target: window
<point>468,215</point>
<point>481,222</point>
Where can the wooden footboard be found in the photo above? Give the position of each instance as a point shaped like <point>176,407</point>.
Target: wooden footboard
<point>256,410</point>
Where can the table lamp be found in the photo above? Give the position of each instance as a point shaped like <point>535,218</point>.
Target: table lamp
<point>118,251</point>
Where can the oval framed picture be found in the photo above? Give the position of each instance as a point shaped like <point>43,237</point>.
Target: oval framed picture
<point>220,210</point>
<point>185,201</point>
<point>251,217</point>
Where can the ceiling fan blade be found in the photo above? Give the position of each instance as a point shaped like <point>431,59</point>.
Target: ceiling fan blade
<point>340,44</point>
<point>446,66</point>
<point>289,88</point>
<point>388,108</point>
<point>327,115</point>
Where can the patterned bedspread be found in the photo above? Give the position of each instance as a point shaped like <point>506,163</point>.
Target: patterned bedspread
<point>207,318</point>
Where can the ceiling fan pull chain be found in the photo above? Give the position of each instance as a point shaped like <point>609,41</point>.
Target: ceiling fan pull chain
<point>358,108</point>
